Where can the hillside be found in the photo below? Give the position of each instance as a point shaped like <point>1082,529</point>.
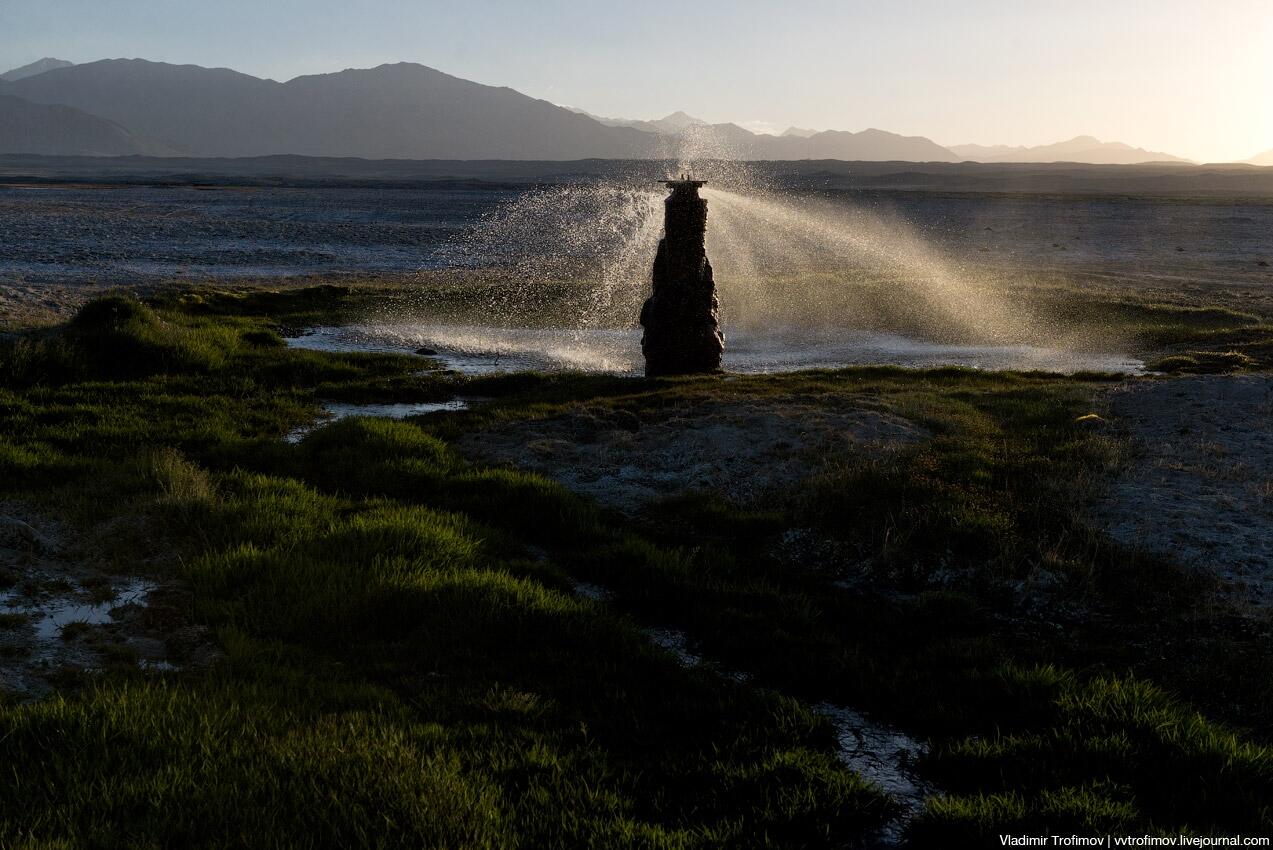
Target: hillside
<point>37,67</point>
<point>27,127</point>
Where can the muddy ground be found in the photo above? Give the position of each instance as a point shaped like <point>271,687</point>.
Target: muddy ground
<point>64,617</point>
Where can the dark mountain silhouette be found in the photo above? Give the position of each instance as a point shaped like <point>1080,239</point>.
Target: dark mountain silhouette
<point>37,67</point>
<point>1087,149</point>
<point>402,111</point>
<point>27,127</point>
<point>393,111</point>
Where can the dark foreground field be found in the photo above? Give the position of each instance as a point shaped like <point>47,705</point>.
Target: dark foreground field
<point>362,636</point>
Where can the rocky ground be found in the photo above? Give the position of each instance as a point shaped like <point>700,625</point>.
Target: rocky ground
<point>740,449</point>
<point>32,304</point>
<point>1199,486</point>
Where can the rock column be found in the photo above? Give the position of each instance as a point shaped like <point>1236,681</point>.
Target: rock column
<point>682,334</point>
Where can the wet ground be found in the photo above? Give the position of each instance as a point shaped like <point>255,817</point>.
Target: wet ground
<point>126,234</point>
<point>63,619</point>
<point>334,411</point>
<point>479,350</point>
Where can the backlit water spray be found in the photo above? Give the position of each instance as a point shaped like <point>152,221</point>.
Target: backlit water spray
<point>556,278</point>
<point>805,263</point>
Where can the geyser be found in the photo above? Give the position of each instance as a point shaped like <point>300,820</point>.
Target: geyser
<point>556,277</point>
<point>682,332</point>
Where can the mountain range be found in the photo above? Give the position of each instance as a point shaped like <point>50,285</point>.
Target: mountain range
<point>1079,149</point>
<point>400,111</point>
<point>37,67</point>
<point>408,111</point>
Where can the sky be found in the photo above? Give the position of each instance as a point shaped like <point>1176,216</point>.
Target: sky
<point>1187,77</point>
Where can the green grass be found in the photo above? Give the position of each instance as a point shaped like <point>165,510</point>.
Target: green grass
<point>405,664</point>
<point>1175,330</point>
<point>1126,732</point>
<point>1204,362</point>
<point>396,672</point>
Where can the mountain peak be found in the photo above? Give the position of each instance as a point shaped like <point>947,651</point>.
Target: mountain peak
<point>38,67</point>
<point>678,121</point>
<point>398,68</point>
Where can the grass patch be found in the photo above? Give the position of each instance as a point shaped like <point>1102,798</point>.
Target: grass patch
<point>405,665</point>
<point>74,630</point>
<point>1204,363</point>
<point>1125,731</point>
<point>397,672</point>
<point>13,620</point>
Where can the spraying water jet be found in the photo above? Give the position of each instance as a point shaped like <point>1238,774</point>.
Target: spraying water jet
<point>808,280</point>
<point>682,328</point>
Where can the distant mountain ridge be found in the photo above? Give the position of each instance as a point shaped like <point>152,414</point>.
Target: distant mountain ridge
<point>670,125</point>
<point>402,111</point>
<point>37,67</point>
<point>27,127</point>
<point>1085,149</point>
<point>730,141</point>
<point>410,111</point>
<point>392,111</point>
<point>1080,149</point>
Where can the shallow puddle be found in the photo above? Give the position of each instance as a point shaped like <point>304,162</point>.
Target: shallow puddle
<point>334,411</point>
<point>48,615</point>
<point>476,350</point>
<point>882,755</point>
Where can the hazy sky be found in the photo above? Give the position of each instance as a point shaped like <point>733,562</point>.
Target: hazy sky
<point>1190,77</point>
